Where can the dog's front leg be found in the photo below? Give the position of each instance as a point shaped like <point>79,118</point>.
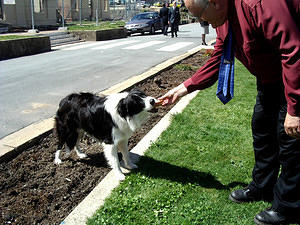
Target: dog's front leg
<point>123,147</point>
<point>111,154</point>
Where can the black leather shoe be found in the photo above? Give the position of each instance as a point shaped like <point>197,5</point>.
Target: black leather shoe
<point>272,217</point>
<point>248,195</point>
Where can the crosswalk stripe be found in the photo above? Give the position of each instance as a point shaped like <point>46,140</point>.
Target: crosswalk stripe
<point>174,47</point>
<point>144,45</point>
<point>115,44</point>
<point>88,45</point>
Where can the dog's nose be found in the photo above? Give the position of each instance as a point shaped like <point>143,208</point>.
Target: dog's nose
<point>152,101</point>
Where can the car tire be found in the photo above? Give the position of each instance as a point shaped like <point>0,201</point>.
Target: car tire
<point>152,30</point>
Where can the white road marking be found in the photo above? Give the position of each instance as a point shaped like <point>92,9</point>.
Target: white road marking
<point>144,45</point>
<point>115,44</point>
<point>174,47</point>
<point>88,45</point>
<point>61,47</point>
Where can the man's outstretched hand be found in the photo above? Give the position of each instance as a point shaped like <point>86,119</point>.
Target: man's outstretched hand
<point>173,95</point>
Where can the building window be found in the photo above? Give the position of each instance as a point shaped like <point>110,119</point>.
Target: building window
<point>39,6</point>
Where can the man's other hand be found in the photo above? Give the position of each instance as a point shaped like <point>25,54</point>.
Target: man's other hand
<point>292,125</point>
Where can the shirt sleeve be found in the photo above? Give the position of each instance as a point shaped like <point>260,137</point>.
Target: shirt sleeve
<point>280,26</point>
<point>208,74</point>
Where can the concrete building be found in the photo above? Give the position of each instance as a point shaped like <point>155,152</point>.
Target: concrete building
<point>74,10</point>
<point>18,13</point>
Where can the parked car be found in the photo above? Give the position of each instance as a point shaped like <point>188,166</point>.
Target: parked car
<point>144,22</point>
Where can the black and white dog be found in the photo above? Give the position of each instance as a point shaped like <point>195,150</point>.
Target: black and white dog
<point>110,119</point>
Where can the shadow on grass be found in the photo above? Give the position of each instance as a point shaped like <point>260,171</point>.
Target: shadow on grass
<point>157,169</point>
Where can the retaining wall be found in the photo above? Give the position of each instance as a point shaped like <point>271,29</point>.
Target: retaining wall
<point>22,47</point>
<point>100,35</point>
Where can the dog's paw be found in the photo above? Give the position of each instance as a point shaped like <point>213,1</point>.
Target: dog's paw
<point>57,161</point>
<point>120,176</point>
<point>82,155</point>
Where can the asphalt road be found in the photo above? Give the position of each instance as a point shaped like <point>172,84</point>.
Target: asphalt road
<point>32,86</point>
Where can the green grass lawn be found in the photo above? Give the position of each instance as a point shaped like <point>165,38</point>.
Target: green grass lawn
<point>13,37</point>
<point>103,25</point>
<point>186,176</point>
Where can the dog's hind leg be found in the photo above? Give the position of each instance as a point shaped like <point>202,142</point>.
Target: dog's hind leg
<point>57,159</point>
<point>71,141</point>
<point>123,147</point>
<point>80,154</point>
<point>61,136</point>
<point>68,151</point>
<point>111,154</point>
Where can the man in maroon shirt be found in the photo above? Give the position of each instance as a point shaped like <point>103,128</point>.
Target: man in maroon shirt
<point>267,41</point>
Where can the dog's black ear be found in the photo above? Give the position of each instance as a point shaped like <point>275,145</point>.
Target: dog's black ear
<point>137,92</point>
<point>131,105</point>
<point>122,108</point>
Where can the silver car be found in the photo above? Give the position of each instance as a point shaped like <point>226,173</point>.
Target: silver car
<point>144,22</point>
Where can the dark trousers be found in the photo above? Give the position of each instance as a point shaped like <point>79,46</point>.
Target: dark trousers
<point>165,27</point>
<point>174,29</point>
<point>274,149</point>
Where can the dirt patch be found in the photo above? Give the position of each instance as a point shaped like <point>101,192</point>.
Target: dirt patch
<point>35,191</point>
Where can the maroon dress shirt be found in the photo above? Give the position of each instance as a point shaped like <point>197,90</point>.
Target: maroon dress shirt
<point>267,42</point>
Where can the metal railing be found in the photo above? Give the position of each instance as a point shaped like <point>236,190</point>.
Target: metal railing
<point>37,13</point>
<point>96,10</point>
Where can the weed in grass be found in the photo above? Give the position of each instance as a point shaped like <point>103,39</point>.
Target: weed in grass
<point>184,67</point>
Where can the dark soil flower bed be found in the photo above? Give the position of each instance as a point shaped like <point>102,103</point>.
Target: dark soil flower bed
<point>34,190</point>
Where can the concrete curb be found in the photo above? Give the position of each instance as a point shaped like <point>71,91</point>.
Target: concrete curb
<point>13,144</point>
<point>97,196</point>
<point>26,137</point>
